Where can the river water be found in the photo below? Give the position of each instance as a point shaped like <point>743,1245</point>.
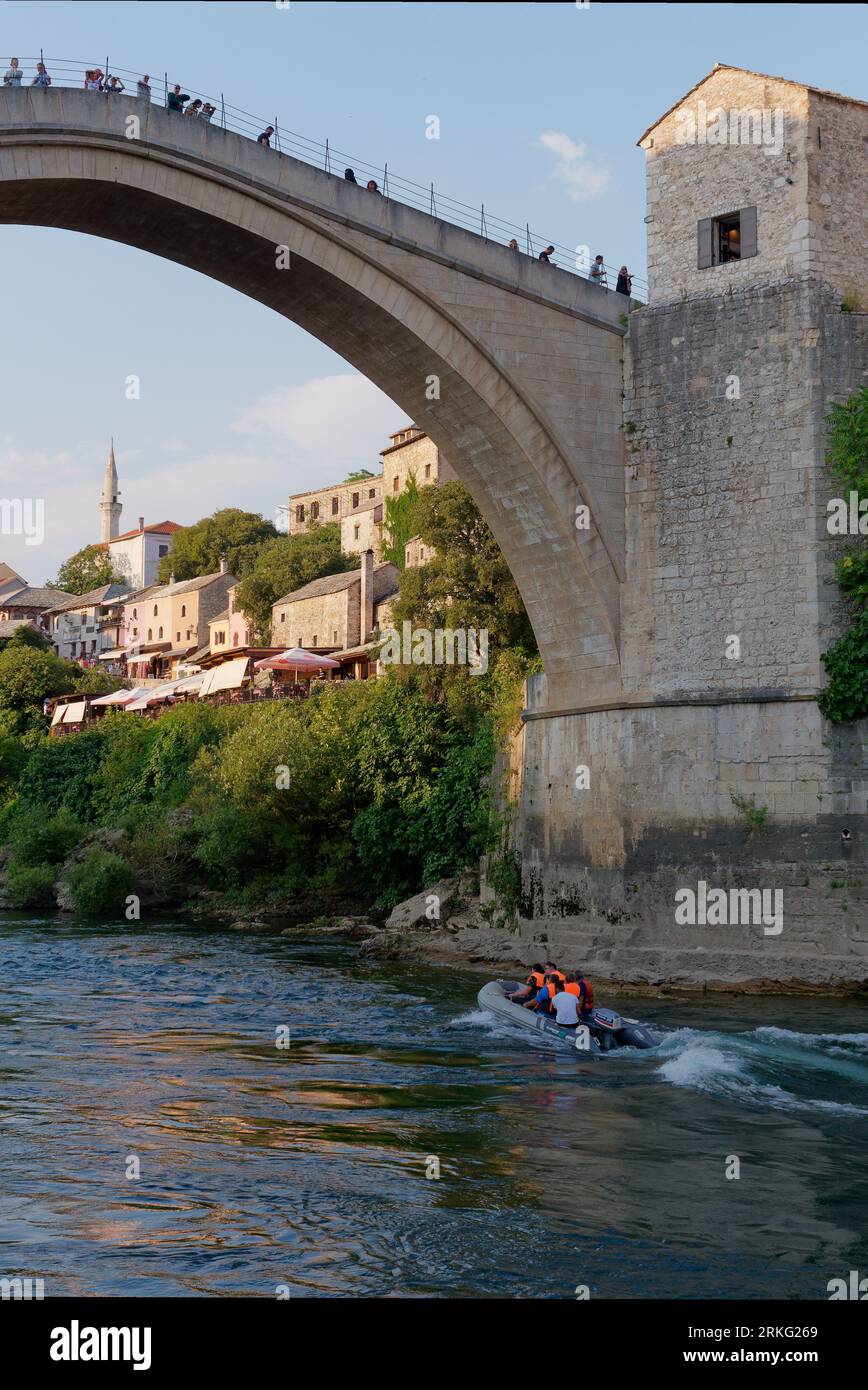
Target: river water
<point>306,1165</point>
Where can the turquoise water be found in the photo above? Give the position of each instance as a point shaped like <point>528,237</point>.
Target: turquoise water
<point>305,1166</point>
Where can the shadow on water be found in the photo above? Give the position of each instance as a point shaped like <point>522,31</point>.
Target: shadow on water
<point>309,1165</point>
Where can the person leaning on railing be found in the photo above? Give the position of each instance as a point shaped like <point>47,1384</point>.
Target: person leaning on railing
<point>143,87</point>
<point>41,79</point>
<point>176,99</point>
<point>13,74</point>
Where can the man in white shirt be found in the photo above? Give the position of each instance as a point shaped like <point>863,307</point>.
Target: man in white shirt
<point>564,1006</point>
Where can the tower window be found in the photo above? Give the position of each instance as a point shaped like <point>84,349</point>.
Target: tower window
<point>334,506</point>
<point>731,237</point>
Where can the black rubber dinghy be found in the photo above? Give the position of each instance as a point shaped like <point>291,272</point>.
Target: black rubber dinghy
<point>605,1031</point>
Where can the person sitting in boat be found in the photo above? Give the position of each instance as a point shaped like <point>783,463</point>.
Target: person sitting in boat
<point>552,969</point>
<point>534,982</point>
<point>585,991</point>
<point>542,1000</point>
<point>565,1006</point>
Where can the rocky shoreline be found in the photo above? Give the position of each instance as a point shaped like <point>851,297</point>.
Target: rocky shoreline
<point>460,922</point>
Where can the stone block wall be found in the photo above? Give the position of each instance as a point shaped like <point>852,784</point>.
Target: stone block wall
<point>724,429</point>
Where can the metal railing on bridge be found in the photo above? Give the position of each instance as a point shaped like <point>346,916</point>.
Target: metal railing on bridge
<point>70,72</point>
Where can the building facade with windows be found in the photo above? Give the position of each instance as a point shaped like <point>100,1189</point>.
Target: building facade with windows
<point>87,627</point>
<point>410,451</point>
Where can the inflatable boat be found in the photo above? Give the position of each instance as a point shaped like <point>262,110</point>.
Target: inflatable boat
<point>604,1030</point>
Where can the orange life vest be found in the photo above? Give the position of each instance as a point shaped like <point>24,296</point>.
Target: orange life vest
<point>572,988</point>
<point>560,974</point>
<point>536,978</point>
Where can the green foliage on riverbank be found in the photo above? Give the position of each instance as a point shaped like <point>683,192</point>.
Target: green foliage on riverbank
<point>372,790</point>
<point>846,695</point>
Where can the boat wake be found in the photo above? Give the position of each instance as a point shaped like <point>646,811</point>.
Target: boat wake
<point>772,1068</point>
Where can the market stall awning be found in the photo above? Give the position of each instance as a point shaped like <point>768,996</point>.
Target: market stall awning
<point>57,717</point>
<point>74,713</point>
<point>113,654</point>
<point>229,676</point>
<point>119,697</point>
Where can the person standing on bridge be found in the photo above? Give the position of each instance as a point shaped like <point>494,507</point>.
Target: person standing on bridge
<point>176,99</point>
<point>512,245</point>
<point>547,254</point>
<point>195,107</point>
<point>598,273</point>
<point>143,87</point>
<point>207,111</point>
<point>265,137</point>
<point>371,186</point>
<point>113,86</point>
<point>41,79</point>
<point>13,74</point>
<point>349,176</point>
<point>625,282</point>
<point>93,80</point>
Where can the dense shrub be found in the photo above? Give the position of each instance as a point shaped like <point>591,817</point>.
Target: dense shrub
<point>99,884</point>
<point>30,886</point>
<point>37,841</point>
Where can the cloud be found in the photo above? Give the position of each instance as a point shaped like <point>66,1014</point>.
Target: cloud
<point>341,418</point>
<point>582,179</point>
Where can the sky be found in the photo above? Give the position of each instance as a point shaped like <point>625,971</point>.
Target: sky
<point>540,107</point>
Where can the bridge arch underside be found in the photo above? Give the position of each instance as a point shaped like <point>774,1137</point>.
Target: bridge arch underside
<point>397,337</point>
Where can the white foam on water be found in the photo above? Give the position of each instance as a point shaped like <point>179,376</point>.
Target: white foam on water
<point>837,1044</point>
<point>713,1063</point>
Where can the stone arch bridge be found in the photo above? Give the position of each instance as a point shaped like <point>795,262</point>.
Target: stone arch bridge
<point>528,357</point>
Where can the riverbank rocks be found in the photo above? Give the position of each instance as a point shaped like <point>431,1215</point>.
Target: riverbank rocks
<point>427,911</point>
<point>351,928</point>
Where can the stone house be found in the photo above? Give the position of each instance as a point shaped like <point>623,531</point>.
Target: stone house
<point>30,602</point>
<point>362,529</point>
<point>410,451</point>
<point>338,612</point>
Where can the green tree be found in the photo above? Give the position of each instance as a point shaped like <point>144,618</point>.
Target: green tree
<point>284,564</point>
<point>399,524</point>
<point>467,582</point>
<point>845,697</point>
<point>27,637</point>
<point>197,549</point>
<point>27,677</point>
<point>88,569</point>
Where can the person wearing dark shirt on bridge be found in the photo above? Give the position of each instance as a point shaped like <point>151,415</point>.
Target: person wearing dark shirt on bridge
<point>114,86</point>
<point>372,186</point>
<point>265,137</point>
<point>625,282</point>
<point>547,254</point>
<point>177,98</point>
<point>349,176</point>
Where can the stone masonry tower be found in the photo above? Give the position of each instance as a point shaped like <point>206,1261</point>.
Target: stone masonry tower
<point>717,765</point>
<point>110,507</point>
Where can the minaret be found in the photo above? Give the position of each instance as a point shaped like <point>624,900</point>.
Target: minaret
<point>110,507</point>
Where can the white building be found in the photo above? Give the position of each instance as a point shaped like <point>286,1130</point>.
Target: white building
<point>136,555</point>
